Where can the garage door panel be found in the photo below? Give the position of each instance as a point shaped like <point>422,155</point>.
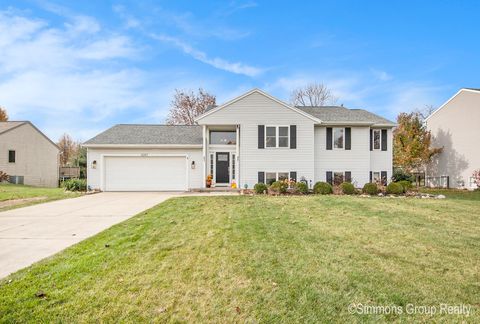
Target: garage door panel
<point>138,173</point>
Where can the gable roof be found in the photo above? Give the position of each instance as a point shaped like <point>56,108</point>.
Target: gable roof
<point>255,90</point>
<point>135,134</point>
<point>475,90</point>
<point>342,115</point>
<point>8,125</point>
<point>11,125</point>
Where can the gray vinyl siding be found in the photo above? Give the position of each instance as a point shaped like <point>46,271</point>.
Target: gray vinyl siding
<point>257,109</point>
<point>356,160</point>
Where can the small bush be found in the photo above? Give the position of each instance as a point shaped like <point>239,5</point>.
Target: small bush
<point>301,187</point>
<point>75,185</point>
<point>323,188</point>
<point>260,188</point>
<point>370,188</point>
<point>400,175</point>
<point>407,185</point>
<point>394,188</point>
<point>279,187</point>
<point>4,177</point>
<point>347,188</point>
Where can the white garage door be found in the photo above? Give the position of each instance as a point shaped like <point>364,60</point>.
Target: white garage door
<point>145,173</point>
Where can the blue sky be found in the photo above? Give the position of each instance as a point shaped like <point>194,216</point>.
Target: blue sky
<point>81,66</point>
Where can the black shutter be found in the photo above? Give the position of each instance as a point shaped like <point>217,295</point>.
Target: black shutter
<point>371,141</point>
<point>261,177</point>
<point>330,177</point>
<point>329,138</point>
<point>384,139</point>
<point>348,176</point>
<point>293,175</point>
<point>348,138</point>
<point>384,177</point>
<point>261,136</point>
<point>370,176</point>
<point>293,136</point>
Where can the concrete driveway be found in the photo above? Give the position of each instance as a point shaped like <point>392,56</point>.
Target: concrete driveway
<point>30,234</point>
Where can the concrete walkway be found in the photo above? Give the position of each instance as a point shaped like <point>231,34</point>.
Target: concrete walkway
<point>30,234</point>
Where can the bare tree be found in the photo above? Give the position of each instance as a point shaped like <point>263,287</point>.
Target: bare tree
<point>3,114</point>
<point>186,105</point>
<point>314,94</point>
<point>424,112</point>
<point>69,149</point>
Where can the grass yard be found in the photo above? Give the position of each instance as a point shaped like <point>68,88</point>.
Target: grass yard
<point>260,259</point>
<point>455,193</point>
<point>26,193</point>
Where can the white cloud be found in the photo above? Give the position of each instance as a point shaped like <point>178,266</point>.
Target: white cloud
<point>60,77</point>
<point>219,63</point>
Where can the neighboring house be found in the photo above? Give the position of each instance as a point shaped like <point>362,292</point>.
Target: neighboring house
<point>252,138</point>
<point>455,127</point>
<point>27,155</point>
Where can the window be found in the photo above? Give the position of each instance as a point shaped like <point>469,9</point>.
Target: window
<point>376,139</point>
<point>223,138</point>
<point>283,136</point>
<point>233,166</point>
<point>338,138</point>
<point>282,176</point>
<point>337,178</point>
<point>211,164</point>
<point>11,156</point>
<point>270,177</point>
<point>277,136</point>
<point>376,177</point>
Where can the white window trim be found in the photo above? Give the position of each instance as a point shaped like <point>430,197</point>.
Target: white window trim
<point>373,140</point>
<point>379,175</point>
<point>276,175</point>
<point>333,139</point>
<point>277,136</point>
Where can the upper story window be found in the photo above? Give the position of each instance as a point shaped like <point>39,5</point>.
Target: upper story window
<point>223,138</point>
<point>277,136</point>
<point>11,156</point>
<point>376,139</point>
<point>338,138</point>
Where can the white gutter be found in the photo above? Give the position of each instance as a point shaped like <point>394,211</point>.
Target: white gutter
<point>142,145</point>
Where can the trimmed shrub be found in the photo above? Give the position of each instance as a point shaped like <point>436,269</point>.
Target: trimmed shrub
<point>407,185</point>
<point>260,188</point>
<point>301,187</point>
<point>347,188</point>
<point>370,188</point>
<point>75,185</point>
<point>279,187</point>
<point>400,175</point>
<point>323,188</point>
<point>394,188</point>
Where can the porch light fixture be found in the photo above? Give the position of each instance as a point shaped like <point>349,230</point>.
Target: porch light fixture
<point>94,164</point>
<point>193,164</point>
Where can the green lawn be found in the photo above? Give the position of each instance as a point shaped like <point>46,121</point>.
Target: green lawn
<point>12,192</point>
<point>260,259</point>
<point>455,193</point>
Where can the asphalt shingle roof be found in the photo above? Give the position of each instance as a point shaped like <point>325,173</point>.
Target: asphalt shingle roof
<point>149,134</point>
<point>338,114</point>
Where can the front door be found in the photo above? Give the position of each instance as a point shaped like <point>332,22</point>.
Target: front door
<point>222,164</point>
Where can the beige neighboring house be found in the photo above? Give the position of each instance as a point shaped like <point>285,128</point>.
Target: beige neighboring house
<point>27,155</point>
<point>455,127</point>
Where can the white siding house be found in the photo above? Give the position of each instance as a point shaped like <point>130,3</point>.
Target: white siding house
<point>252,138</point>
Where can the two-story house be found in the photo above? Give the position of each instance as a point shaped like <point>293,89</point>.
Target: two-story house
<point>252,138</point>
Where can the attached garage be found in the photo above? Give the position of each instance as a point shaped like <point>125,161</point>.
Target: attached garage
<point>146,158</point>
<point>145,173</point>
